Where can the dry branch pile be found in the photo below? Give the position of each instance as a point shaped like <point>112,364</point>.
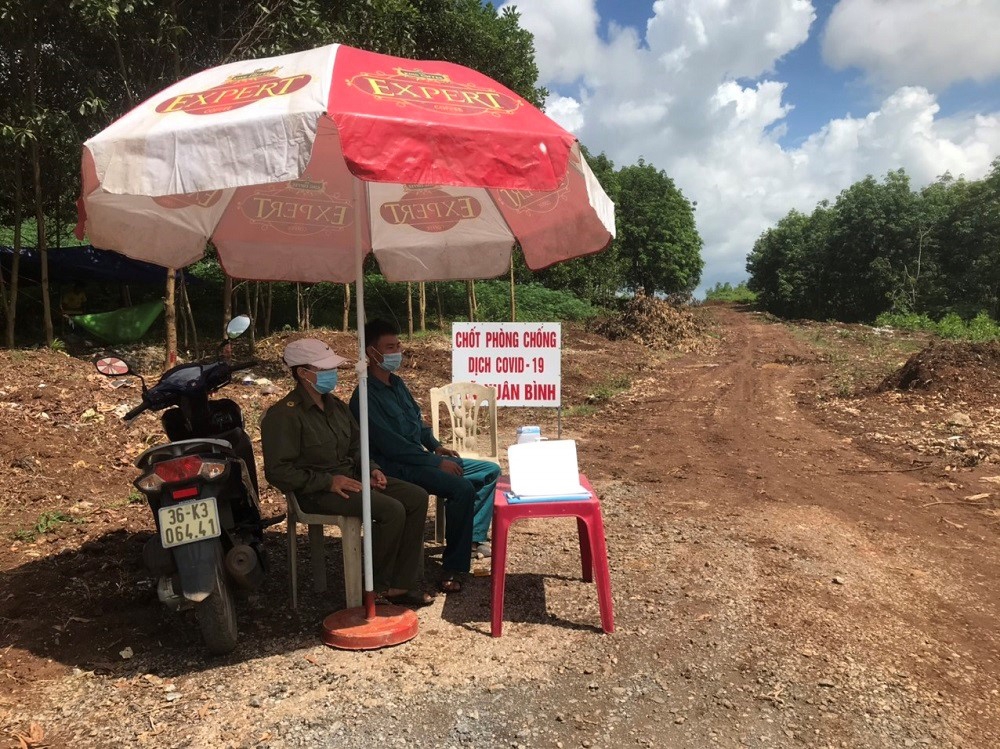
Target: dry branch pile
<point>654,323</point>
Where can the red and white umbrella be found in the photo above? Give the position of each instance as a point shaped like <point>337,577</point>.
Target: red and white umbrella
<point>296,167</point>
<point>263,157</point>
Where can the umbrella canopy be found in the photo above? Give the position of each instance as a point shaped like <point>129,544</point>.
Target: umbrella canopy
<point>296,167</point>
<point>262,156</point>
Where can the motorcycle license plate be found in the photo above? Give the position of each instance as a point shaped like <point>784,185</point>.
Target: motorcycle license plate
<point>188,522</point>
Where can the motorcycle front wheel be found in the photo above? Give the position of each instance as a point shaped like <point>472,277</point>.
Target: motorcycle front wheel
<point>216,616</point>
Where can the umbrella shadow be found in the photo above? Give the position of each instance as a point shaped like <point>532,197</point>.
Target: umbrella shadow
<point>525,601</point>
<point>95,608</point>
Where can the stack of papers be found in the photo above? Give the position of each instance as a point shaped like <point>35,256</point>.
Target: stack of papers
<point>545,472</point>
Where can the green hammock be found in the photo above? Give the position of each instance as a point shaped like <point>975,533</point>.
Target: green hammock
<point>125,325</point>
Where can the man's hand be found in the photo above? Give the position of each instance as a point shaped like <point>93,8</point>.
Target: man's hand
<point>343,484</point>
<point>451,467</point>
<point>445,451</point>
<point>378,479</point>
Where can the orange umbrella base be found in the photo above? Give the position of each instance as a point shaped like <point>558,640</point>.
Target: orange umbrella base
<point>348,629</point>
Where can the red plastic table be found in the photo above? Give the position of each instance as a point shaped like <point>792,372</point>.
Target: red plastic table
<point>593,548</point>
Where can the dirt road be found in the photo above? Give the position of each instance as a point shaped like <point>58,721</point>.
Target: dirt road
<point>777,583</point>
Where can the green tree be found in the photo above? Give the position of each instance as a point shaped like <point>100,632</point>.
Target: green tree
<point>883,247</point>
<point>776,266</point>
<point>969,237</point>
<point>658,242</point>
<point>872,241</point>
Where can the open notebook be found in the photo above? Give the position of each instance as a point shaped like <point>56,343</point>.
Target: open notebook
<point>545,472</point>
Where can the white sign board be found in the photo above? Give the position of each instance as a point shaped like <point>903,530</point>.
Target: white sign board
<point>521,360</point>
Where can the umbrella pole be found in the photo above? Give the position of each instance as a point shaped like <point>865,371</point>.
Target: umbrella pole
<point>369,627</point>
<point>362,369</point>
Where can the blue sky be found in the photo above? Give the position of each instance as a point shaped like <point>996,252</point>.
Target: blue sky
<point>756,107</point>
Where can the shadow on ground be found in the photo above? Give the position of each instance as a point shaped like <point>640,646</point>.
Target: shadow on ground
<point>82,608</point>
<point>524,602</point>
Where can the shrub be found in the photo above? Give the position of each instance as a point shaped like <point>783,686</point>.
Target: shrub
<point>535,303</point>
<point>726,292</point>
<point>980,328</point>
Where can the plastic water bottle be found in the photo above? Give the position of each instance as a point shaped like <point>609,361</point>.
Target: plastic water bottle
<point>528,434</point>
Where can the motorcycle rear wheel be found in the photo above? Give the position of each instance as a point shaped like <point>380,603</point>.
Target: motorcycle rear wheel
<point>216,617</point>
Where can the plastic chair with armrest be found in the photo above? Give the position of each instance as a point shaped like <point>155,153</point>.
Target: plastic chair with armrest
<point>350,537</point>
<point>472,417</point>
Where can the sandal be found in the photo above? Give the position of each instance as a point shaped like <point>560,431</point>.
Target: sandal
<point>414,598</point>
<point>481,550</point>
<point>451,582</point>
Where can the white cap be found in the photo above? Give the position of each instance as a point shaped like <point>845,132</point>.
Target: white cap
<point>311,351</point>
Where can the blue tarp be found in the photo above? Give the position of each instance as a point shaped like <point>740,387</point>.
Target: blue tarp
<point>86,264</point>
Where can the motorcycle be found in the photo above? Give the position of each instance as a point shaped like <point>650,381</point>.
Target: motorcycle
<point>202,490</point>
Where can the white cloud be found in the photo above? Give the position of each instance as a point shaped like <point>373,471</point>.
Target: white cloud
<point>566,111</point>
<point>679,97</point>
<point>916,42</point>
<point>719,39</point>
<point>565,33</point>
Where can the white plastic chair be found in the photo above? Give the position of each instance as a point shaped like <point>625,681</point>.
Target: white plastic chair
<point>350,538</point>
<point>472,414</point>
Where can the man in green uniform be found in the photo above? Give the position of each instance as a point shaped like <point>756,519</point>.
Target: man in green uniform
<point>405,446</point>
<point>312,447</point>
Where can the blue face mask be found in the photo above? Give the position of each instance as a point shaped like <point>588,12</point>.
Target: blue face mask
<point>391,362</point>
<point>326,381</point>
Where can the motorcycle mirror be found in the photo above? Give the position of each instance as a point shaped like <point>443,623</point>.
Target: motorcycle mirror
<point>238,326</point>
<point>112,366</point>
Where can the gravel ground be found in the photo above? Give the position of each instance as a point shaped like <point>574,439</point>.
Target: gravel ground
<point>776,584</point>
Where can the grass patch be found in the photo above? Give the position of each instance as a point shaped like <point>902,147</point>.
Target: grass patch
<point>579,411</point>
<point>609,389</point>
<point>135,497</point>
<point>857,357</point>
<point>47,522</point>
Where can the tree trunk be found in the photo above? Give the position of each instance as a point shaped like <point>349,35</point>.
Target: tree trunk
<point>347,307</point>
<point>43,255</point>
<point>513,301</point>
<point>250,311</point>
<point>15,263</point>
<point>267,310</point>
<point>36,169</point>
<point>409,311</point>
<point>298,305</point>
<point>437,293</point>
<point>178,32</point>
<point>303,307</point>
<point>473,306</point>
<point>190,314</point>
<point>185,322</point>
<point>422,288</point>
<point>3,292</point>
<point>170,318</point>
<point>227,301</point>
